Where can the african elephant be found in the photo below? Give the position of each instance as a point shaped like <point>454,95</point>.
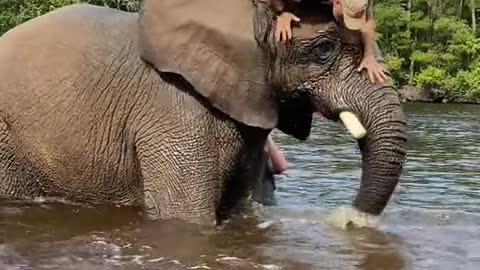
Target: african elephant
<point>169,109</point>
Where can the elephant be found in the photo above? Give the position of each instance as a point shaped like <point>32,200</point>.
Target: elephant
<point>169,109</point>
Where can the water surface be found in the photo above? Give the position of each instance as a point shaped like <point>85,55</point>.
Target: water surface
<point>432,221</point>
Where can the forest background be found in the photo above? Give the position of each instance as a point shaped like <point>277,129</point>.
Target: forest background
<point>431,47</point>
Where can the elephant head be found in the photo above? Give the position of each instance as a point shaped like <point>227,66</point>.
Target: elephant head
<point>227,52</point>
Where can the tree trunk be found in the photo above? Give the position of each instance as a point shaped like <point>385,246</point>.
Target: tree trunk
<point>409,12</point>
<point>411,72</point>
<point>460,9</point>
<point>474,17</point>
<point>412,62</point>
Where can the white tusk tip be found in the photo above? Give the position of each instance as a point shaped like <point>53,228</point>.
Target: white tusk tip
<point>353,125</point>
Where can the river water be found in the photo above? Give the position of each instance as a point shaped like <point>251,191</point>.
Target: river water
<point>432,221</point>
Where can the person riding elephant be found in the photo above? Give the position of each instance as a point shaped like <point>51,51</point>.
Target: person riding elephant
<point>169,109</point>
<point>353,14</point>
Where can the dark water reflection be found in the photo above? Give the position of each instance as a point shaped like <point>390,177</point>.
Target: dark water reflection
<point>432,222</point>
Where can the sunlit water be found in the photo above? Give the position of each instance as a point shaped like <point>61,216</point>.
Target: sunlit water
<point>432,221</point>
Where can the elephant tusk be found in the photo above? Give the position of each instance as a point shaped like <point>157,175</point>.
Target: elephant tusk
<point>353,125</point>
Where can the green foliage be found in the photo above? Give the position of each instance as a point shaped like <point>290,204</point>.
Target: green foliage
<point>434,43</point>
<point>433,77</point>
<point>428,43</point>
<point>394,64</point>
<point>467,82</point>
<point>14,12</point>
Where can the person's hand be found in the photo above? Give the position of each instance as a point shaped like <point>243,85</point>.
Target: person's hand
<point>284,26</point>
<point>376,71</point>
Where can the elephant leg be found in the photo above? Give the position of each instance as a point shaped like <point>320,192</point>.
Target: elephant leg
<point>5,155</point>
<point>177,185</point>
<point>18,177</point>
<point>167,197</point>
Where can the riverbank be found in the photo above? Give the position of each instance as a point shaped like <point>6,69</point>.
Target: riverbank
<point>412,94</point>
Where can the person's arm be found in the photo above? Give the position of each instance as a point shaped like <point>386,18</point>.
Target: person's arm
<point>369,38</point>
<point>372,56</point>
<point>279,162</point>
<point>368,34</point>
<point>278,6</point>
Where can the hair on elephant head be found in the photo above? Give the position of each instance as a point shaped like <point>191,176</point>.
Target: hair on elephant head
<point>226,50</point>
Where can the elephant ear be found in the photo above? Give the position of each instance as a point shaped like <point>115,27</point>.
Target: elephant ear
<point>211,44</point>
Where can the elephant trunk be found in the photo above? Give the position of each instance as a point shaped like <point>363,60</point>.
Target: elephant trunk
<point>383,150</point>
<point>378,124</point>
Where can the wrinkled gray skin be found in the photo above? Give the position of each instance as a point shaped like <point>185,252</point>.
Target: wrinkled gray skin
<point>83,118</point>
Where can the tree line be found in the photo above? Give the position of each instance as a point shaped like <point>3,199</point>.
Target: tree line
<point>429,44</point>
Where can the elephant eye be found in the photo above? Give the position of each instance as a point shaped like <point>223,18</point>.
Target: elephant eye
<point>323,51</point>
